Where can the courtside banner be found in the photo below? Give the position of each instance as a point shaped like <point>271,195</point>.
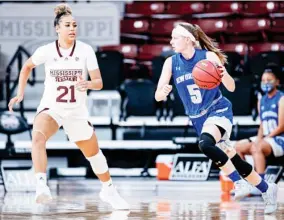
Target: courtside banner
<point>190,167</point>
<point>31,25</point>
<point>98,23</point>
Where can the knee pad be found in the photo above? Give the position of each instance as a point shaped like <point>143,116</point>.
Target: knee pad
<point>98,163</point>
<point>207,146</point>
<point>243,167</point>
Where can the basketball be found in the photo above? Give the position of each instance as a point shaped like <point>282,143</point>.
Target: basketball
<point>206,75</point>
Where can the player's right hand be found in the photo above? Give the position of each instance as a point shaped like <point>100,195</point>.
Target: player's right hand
<point>16,99</point>
<point>167,89</point>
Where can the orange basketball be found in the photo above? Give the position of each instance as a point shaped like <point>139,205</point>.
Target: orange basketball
<point>206,75</point>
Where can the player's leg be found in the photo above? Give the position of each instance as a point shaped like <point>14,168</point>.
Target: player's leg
<point>44,127</point>
<point>243,147</point>
<point>211,135</point>
<point>269,191</point>
<point>260,151</point>
<point>81,132</point>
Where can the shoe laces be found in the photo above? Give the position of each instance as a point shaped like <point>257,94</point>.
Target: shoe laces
<point>111,190</point>
<point>267,198</point>
<point>239,185</point>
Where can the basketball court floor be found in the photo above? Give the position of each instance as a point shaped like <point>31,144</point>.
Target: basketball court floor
<point>77,199</point>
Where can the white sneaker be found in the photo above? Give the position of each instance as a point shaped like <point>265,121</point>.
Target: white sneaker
<point>255,191</point>
<point>119,215</point>
<point>242,189</point>
<point>43,194</point>
<point>270,198</point>
<point>110,195</point>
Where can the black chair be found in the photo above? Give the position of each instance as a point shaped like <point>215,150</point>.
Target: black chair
<point>242,97</point>
<point>111,67</point>
<point>259,62</point>
<point>10,124</point>
<point>157,66</point>
<point>175,105</point>
<point>138,98</point>
<point>235,65</point>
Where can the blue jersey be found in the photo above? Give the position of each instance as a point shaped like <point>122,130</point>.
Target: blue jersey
<point>195,99</point>
<point>269,113</point>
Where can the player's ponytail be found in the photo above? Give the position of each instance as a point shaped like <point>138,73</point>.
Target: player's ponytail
<point>204,41</point>
<point>61,10</point>
<point>209,44</point>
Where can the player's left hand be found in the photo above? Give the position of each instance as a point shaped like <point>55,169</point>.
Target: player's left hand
<point>82,85</point>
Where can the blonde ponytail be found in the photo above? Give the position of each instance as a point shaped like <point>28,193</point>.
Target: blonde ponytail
<point>209,44</point>
<point>205,42</point>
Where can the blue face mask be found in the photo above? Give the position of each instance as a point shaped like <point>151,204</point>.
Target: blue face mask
<point>267,87</point>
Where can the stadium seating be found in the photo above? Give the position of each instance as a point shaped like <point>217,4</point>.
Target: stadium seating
<point>144,9</point>
<point>148,52</point>
<point>260,8</point>
<point>129,51</point>
<point>212,25</point>
<point>163,27</point>
<point>221,9</point>
<point>281,8</point>
<point>277,30</point>
<point>134,26</point>
<point>248,29</point>
<point>239,48</point>
<point>185,8</point>
<point>257,8</point>
<point>265,47</point>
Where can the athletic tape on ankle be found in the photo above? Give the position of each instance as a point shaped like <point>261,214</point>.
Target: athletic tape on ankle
<point>98,163</point>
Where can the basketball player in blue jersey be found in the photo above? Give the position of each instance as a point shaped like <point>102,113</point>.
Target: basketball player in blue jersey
<point>270,137</point>
<point>210,112</point>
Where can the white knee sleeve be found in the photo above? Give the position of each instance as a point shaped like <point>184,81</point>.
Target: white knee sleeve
<point>98,163</point>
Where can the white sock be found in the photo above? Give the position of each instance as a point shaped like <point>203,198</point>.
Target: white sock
<point>41,179</point>
<point>107,183</point>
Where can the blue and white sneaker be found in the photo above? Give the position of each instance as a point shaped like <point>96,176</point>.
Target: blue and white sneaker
<point>270,198</point>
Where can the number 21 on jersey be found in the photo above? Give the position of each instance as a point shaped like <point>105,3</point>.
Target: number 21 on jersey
<point>194,93</point>
<point>64,90</point>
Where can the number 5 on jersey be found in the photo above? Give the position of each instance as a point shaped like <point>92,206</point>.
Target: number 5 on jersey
<point>194,93</point>
<point>65,90</point>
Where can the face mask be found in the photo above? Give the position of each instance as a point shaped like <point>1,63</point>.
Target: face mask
<point>267,87</point>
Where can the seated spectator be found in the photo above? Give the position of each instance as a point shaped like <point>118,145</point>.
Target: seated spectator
<point>270,137</point>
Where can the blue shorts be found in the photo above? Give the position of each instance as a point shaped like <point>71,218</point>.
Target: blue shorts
<point>220,114</point>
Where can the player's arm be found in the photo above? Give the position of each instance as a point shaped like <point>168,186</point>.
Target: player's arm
<point>280,128</point>
<point>227,80</point>
<point>163,88</point>
<point>24,76</point>
<point>37,58</point>
<point>96,82</point>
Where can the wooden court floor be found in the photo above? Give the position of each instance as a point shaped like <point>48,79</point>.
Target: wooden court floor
<point>77,199</point>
